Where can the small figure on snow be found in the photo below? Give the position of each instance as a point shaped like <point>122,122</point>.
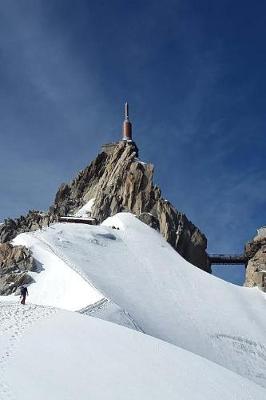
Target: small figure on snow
<point>23,293</point>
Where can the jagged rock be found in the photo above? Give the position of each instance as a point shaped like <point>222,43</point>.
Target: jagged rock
<point>255,251</point>
<point>32,221</point>
<point>15,262</point>
<point>71,197</point>
<point>119,181</point>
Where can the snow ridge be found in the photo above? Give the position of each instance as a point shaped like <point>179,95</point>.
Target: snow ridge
<point>135,279</point>
<point>62,257</point>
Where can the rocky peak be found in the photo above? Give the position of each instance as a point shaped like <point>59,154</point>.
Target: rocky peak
<point>118,181</point>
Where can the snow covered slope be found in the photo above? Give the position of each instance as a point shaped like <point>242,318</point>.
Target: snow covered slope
<point>56,282</point>
<point>158,290</point>
<point>85,210</point>
<point>60,355</point>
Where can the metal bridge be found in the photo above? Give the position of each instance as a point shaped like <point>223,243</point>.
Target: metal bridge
<point>228,259</point>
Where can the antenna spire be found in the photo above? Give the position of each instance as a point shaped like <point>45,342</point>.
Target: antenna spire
<point>126,112</point>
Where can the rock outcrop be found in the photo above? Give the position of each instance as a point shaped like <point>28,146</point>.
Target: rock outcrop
<point>255,251</point>
<point>15,263</point>
<point>118,181</point>
<point>32,221</point>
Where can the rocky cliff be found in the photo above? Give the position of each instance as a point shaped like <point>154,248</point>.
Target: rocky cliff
<point>118,181</point>
<point>255,252</point>
<point>15,263</point>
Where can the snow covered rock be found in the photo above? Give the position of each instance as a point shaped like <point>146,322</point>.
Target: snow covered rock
<point>118,181</point>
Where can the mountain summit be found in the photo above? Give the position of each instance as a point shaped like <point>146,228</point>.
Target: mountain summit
<point>116,181</point>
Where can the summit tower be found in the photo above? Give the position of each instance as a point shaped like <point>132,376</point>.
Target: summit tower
<point>127,126</point>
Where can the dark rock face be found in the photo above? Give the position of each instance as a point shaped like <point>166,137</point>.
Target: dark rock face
<point>150,220</point>
<point>118,182</point>
<point>15,262</point>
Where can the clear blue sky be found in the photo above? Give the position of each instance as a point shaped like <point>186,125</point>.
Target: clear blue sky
<point>194,75</point>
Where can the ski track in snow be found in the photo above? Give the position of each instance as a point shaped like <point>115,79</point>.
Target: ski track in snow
<point>105,306</point>
<point>14,320</point>
<point>63,258</point>
<point>93,307</point>
<point>256,354</point>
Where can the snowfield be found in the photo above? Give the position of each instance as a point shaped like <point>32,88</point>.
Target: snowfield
<point>59,355</point>
<point>125,272</point>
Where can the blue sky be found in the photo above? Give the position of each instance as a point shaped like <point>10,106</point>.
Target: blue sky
<point>194,75</point>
